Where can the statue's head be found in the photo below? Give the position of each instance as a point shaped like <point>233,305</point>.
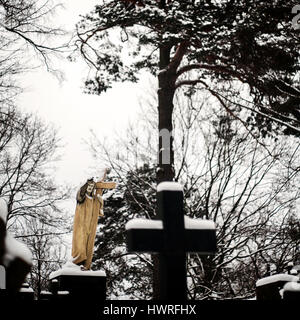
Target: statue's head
<point>90,186</point>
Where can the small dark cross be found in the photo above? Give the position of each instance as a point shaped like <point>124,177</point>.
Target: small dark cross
<point>171,236</point>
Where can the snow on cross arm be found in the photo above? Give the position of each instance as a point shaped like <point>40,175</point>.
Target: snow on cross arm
<point>169,186</point>
<point>200,224</point>
<point>140,223</point>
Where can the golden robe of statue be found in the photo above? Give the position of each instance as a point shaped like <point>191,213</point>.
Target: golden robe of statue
<point>89,207</point>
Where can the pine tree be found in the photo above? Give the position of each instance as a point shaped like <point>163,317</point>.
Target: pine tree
<point>233,49</point>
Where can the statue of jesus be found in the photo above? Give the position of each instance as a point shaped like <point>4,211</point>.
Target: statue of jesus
<point>88,208</point>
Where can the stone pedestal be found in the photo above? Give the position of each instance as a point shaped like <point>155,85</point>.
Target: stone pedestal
<point>77,284</point>
<point>268,288</point>
<point>25,293</point>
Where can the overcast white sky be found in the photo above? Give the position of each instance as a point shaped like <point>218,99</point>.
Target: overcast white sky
<point>73,112</point>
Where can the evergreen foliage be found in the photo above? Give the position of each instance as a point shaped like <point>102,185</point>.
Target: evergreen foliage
<point>232,49</point>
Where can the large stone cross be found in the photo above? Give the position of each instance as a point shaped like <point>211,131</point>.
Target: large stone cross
<point>172,235</point>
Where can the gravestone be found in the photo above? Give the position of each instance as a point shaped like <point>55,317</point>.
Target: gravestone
<point>172,236</point>
<point>268,288</point>
<point>291,291</point>
<point>15,257</point>
<point>57,296</point>
<point>25,293</point>
<point>84,285</point>
<point>45,295</point>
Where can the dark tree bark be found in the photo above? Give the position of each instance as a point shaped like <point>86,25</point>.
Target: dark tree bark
<point>166,90</point>
<point>167,77</point>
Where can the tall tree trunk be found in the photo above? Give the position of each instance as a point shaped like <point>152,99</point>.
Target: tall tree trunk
<point>166,90</point>
<point>165,170</point>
